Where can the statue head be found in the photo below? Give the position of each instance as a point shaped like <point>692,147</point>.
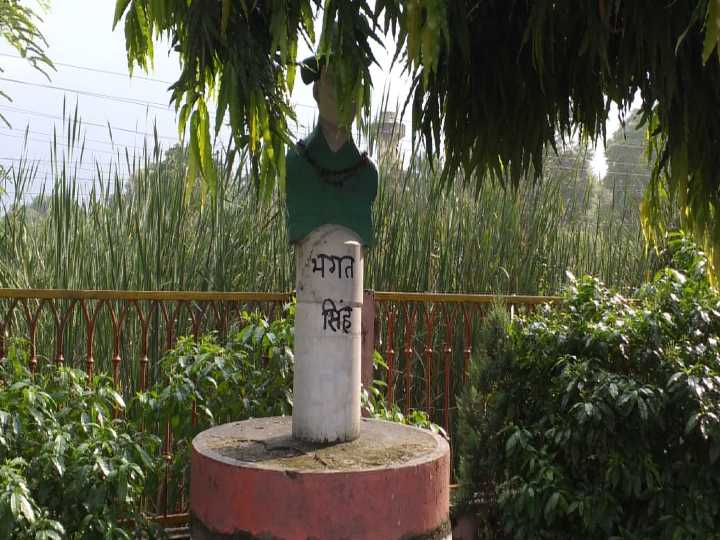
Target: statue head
<point>322,77</point>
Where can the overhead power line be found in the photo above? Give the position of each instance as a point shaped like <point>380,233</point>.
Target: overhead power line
<point>83,196</point>
<point>559,168</point>
<point>47,163</point>
<point>113,144</point>
<point>87,123</point>
<point>60,142</point>
<point>96,70</point>
<point>118,99</point>
<point>124,75</point>
<point>613,146</point>
<point>45,166</point>
<point>90,123</point>
<point>48,166</point>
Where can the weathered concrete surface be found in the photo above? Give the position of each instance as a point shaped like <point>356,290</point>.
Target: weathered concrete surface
<point>326,385</point>
<point>253,480</point>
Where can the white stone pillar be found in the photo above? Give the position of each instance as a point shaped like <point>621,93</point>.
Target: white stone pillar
<point>326,387</point>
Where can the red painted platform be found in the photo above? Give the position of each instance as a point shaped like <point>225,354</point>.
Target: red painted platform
<point>252,480</point>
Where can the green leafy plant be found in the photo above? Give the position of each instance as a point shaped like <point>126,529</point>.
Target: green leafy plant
<point>250,377</point>
<point>72,467</point>
<point>602,419</point>
<point>205,383</point>
<point>75,462</point>
<point>20,516</point>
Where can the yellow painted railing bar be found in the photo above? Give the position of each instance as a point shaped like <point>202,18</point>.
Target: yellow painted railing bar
<point>465,298</point>
<point>71,294</point>
<point>381,296</point>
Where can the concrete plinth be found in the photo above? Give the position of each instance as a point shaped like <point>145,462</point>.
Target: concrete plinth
<point>328,340</point>
<point>252,480</point>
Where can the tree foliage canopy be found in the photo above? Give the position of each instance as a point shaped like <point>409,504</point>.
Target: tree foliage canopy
<point>602,419</point>
<point>19,28</point>
<point>494,82</point>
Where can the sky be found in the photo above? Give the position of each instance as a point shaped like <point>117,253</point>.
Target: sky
<point>92,72</point>
<point>79,33</point>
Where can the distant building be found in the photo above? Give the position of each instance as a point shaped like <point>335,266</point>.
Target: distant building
<point>388,131</point>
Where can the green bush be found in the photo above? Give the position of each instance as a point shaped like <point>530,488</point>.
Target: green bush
<point>205,384</point>
<point>600,419</point>
<point>76,463</point>
<point>70,465</point>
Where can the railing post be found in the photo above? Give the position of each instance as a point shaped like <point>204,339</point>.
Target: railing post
<point>447,361</point>
<point>367,337</point>
<point>428,356</point>
<point>390,357</point>
<point>6,323</point>
<point>467,341</point>
<point>407,352</point>
<point>2,341</point>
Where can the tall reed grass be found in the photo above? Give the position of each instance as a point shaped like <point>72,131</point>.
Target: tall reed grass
<point>133,229</point>
<point>452,239</point>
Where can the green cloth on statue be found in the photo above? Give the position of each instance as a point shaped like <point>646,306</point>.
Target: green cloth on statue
<point>325,187</point>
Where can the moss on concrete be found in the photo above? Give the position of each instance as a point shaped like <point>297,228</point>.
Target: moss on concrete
<point>269,443</point>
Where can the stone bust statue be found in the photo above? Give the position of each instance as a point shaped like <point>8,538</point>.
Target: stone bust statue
<point>329,181</point>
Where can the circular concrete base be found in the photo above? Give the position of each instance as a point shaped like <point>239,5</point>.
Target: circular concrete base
<point>253,480</point>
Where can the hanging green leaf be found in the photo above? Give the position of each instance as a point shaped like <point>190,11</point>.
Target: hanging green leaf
<point>19,28</point>
<point>495,83</point>
<point>712,29</point>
